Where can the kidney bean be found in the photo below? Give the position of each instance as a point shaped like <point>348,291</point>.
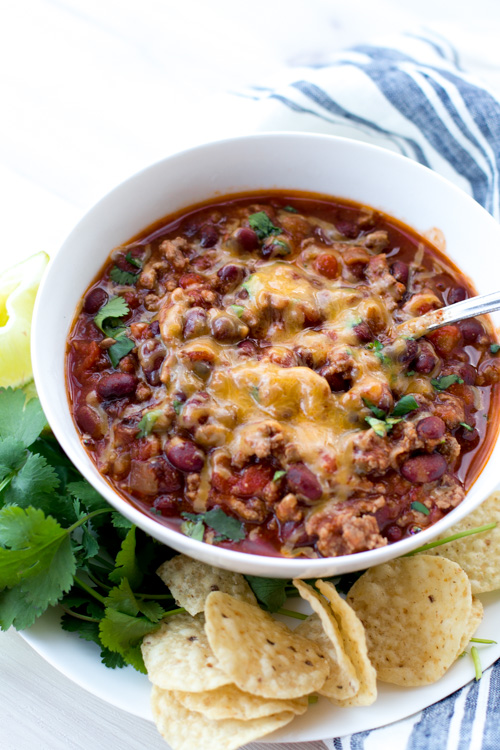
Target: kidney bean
<point>347,228</point>
<point>225,328</point>
<point>208,235</point>
<point>247,348</point>
<point>185,455</point>
<point>195,323</point>
<point>426,359</point>
<point>468,373</point>
<point>471,437</point>
<point>302,481</point>
<point>456,295</point>
<point>425,468</point>
<point>230,276</point>
<point>410,352</point>
<point>393,533</point>
<point>431,428</point>
<point>400,271</point>
<point>94,300</point>
<point>166,504</point>
<point>246,238</point>
<point>168,477</point>
<point>327,265</point>
<point>88,421</point>
<point>335,380</point>
<point>116,385</point>
<point>471,329</point>
<point>363,332</point>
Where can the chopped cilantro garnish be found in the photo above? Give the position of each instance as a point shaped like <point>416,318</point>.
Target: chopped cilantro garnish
<point>444,381</point>
<point>290,209</point>
<point>375,346</point>
<point>379,426</point>
<point>123,346</point>
<point>254,392</point>
<point>278,474</point>
<point>177,405</point>
<point>108,319</point>
<point>379,413</point>
<point>482,640</point>
<point>148,422</point>
<point>405,405</point>
<point>194,529</point>
<point>420,507</point>
<point>495,348</point>
<point>122,277</point>
<point>237,310</point>
<point>133,261</point>
<point>226,527</point>
<point>283,247</point>
<point>410,373</point>
<point>477,663</point>
<point>262,225</point>
<point>467,426</point>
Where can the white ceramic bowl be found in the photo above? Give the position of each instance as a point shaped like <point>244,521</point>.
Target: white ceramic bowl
<point>316,163</point>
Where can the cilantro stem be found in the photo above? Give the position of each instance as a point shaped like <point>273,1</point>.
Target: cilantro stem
<point>174,612</point>
<point>80,617</point>
<point>477,663</point>
<point>90,590</point>
<point>87,518</point>
<point>482,640</point>
<point>291,613</point>
<point>98,582</point>
<point>452,538</point>
<point>153,596</point>
<point>8,479</point>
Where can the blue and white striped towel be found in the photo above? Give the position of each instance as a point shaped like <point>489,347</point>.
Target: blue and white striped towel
<point>410,96</point>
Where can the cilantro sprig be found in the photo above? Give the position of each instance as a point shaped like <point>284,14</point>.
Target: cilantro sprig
<point>109,321</point>
<point>382,423</point>
<point>262,225</point>
<point>226,527</point>
<point>444,381</point>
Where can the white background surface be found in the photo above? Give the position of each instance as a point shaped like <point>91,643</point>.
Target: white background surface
<point>91,91</point>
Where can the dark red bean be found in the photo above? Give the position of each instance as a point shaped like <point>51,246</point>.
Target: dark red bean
<point>456,295</point>
<point>247,348</point>
<point>185,455</point>
<point>116,385</point>
<point>348,229</point>
<point>230,276</point>
<point>335,380</point>
<point>154,328</point>
<point>393,533</point>
<point>169,478</point>
<point>208,235</point>
<point>431,428</point>
<point>224,328</point>
<point>195,323</point>
<point>400,271</point>
<point>94,300</point>
<point>468,373</point>
<point>363,332</point>
<point>422,469</point>
<point>410,352</point>
<point>88,421</point>
<point>247,239</point>
<point>426,359</point>
<point>166,504</point>
<point>471,329</point>
<point>302,481</point>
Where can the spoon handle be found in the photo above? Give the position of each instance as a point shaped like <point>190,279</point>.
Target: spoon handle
<point>468,308</point>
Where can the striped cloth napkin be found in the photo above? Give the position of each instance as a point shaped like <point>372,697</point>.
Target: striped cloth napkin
<point>411,96</point>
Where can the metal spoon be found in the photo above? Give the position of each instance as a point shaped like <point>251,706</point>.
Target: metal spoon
<point>468,308</point>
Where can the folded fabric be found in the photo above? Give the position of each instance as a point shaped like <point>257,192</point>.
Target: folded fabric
<point>410,96</point>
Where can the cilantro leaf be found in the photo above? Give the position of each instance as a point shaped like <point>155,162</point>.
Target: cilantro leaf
<point>420,507</point>
<point>120,522</point>
<point>152,610</point>
<point>148,422</point>
<point>467,426</point>
<point>123,633</point>
<point>290,209</point>
<point>379,413</point>
<point>108,319</point>
<point>444,381</point>
<point>225,525</point>
<point>89,631</point>
<point>262,225</point>
<point>122,277</point>
<point>379,426</point>
<point>237,310</point>
<point>194,529</point>
<point>133,261</point>
<point>118,351</point>
<point>126,565</point>
<point>495,348</point>
<point>32,483</point>
<point>278,474</point>
<point>271,592</point>
<point>14,610</point>
<point>12,456</point>
<point>404,406</point>
<point>90,498</point>
<point>20,419</point>
<point>122,599</point>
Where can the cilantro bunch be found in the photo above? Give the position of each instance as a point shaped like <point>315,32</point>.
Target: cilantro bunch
<point>61,543</point>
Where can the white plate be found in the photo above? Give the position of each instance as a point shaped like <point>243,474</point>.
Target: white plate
<point>130,691</point>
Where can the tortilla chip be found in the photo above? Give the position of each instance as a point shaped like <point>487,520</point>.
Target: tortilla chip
<point>478,554</point>
<point>322,628</point>
<point>355,644</point>
<point>475,619</point>
<point>229,702</point>
<point>260,655</point>
<point>415,611</point>
<point>187,730</point>
<point>178,657</point>
<point>191,581</point>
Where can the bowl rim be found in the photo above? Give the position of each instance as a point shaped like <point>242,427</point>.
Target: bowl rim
<point>266,565</point>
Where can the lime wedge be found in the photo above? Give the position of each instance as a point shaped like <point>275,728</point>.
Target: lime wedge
<point>18,288</point>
